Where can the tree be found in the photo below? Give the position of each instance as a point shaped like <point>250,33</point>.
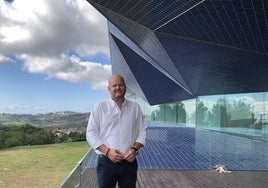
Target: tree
<point>201,113</point>
<point>181,112</point>
<point>77,136</point>
<point>219,115</point>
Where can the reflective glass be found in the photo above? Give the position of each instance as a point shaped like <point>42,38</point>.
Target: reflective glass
<point>242,114</point>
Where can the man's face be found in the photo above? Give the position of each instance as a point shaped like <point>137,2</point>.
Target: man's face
<point>117,87</point>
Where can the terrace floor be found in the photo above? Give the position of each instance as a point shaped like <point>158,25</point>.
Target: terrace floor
<point>160,178</point>
<point>183,156</point>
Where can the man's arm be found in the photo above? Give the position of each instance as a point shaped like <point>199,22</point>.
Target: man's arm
<point>104,149</point>
<point>137,145</point>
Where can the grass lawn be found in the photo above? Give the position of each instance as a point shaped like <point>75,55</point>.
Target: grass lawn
<point>41,166</point>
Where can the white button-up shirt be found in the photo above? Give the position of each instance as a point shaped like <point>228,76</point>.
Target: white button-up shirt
<point>115,128</point>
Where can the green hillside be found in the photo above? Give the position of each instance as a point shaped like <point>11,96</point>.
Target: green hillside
<point>60,120</point>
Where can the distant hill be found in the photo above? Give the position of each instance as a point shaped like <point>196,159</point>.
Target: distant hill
<point>61,120</point>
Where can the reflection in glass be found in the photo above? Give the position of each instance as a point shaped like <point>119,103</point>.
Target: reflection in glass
<point>242,114</point>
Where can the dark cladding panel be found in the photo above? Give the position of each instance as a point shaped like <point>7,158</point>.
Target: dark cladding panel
<point>240,24</point>
<point>150,13</point>
<point>119,66</point>
<point>213,69</point>
<point>156,86</point>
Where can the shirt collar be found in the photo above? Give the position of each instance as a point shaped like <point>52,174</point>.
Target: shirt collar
<point>114,103</point>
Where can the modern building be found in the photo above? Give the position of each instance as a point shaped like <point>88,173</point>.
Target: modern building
<point>202,63</point>
<point>200,67</point>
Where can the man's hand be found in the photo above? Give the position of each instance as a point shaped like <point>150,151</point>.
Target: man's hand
<point>115,155</point>
<point>130,155</point>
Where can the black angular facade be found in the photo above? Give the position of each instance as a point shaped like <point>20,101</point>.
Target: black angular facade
<point>175,50</point>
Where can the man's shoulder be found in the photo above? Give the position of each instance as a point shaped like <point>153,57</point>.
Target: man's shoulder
<point>100,106</point>
<point>103,103</point>
<point>132,103</point>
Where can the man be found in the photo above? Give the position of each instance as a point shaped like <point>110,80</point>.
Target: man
<point>116,130</point>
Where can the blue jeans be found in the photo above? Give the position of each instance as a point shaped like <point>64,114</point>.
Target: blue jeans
<point>109,173</point>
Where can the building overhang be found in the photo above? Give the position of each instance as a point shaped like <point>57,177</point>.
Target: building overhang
<point>171,51</point>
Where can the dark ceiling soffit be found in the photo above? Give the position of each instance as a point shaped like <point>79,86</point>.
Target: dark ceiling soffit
<point>145,41</point>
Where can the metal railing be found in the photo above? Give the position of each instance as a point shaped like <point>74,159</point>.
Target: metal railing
<point>73,180</point>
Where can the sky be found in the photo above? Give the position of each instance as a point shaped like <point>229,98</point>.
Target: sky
<point>54,56</point>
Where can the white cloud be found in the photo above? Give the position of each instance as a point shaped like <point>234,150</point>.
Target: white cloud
<point>70,69</point>
<point>42,32</point>
<point>5,60</point>
<point>13,34</point>
<point>21,109</point>
<point>245,99</point>
<point>13,108</point>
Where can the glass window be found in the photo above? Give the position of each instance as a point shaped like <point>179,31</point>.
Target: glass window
<point>244,114</point>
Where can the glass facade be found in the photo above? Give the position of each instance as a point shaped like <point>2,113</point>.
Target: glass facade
<point>243,114</point>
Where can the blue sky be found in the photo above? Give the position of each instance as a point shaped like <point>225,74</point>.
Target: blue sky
<point>54,56</point>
